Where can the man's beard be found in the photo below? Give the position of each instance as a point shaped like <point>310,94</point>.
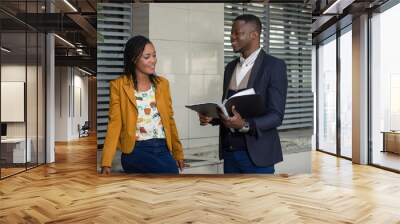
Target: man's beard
<point>237,50</point>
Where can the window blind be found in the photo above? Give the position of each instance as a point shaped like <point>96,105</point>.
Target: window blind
<point>286,34</point>
<point>114,26</point>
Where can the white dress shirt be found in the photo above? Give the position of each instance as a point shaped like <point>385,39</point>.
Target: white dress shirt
<point>245,65</point>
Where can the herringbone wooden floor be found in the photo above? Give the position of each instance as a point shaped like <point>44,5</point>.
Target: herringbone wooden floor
<point>70,191</point>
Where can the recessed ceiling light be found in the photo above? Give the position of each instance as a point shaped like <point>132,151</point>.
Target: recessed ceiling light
<point>64,40</point>
<point>86,72</point>
<point>338,6</point>
<point>70,5</point>
<point>5,49</point>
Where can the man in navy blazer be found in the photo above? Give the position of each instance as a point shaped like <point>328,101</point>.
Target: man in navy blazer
<point>254,145</point>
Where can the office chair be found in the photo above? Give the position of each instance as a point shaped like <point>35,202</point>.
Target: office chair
<point>84,130</point>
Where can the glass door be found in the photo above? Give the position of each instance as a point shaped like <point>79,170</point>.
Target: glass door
<point>385,89</point>
<point>327,96</point>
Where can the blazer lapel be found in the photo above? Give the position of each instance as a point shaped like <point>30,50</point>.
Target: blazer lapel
<point>159,100</point>
<point>229,73</point>
<point>256,68</point>
<point>129,90</point>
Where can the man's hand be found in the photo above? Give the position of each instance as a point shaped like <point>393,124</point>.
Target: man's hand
<point>236,121</point>
<point>106,170</point>
<point>204,120</point>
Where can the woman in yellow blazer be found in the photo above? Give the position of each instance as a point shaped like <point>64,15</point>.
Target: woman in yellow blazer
<point>140,120</point>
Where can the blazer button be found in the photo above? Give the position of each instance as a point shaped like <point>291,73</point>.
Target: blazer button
<point>230,147</point>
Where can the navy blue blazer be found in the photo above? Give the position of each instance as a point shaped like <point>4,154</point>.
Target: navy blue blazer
<point>269,79</point>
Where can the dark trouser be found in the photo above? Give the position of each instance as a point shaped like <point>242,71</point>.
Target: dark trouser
<point>149,156</point>
<point>239,161</point>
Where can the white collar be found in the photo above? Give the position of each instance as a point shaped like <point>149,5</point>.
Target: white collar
<point>250,59</point>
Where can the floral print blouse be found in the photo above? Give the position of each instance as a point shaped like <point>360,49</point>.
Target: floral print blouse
<point>148,124</point>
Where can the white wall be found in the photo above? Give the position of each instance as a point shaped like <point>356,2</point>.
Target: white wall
<point>69,82</point>
<point>13,73</point>
<point>80,83</point>
<point>189,45</point>
<point>61,103</point>
<point>16,73</point>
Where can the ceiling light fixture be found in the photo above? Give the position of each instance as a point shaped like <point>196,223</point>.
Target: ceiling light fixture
<point>5,49</point>
<point>64,40</point>
<point>86,72</point>
<point>70,5</point>
<point>331,7</point>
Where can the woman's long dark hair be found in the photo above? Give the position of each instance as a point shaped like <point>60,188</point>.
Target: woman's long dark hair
<point>133,50</point>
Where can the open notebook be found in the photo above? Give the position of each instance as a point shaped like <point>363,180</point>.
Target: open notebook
<point>246,102</point>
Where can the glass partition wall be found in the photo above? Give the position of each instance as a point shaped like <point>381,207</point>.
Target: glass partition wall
<point>326,56</point>
<point>345,65</point>
<point>22,87</point>
<point>334,94</point>
<point>385,89</point>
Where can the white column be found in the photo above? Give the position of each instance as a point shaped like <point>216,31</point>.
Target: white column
<point>314,90</point>
<point>50,92</point>
<point>360,90</point>
<point>50,99</point>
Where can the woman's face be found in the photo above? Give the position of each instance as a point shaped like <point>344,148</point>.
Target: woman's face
<point>146,63</point>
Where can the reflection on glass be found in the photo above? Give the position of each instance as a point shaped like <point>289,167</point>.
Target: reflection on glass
<point>13,72</point>
<point>327,96</point>
<point>22,88</point>
<point>385,84</point>
<point>346,94</point>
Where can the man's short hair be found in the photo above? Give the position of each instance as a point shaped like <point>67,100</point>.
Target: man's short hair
<point>248,18</point>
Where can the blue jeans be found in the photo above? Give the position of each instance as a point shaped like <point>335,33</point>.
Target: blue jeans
<point>149,156</point>
<point>240,162</point>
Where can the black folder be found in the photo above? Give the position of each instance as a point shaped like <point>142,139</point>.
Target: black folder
<point>248,106</point>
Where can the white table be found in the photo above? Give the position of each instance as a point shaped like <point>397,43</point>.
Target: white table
<point>18,144</point>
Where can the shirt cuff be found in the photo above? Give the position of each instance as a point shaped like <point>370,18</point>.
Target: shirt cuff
<point>253,128</point>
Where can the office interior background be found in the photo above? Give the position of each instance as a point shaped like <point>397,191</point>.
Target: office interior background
<point>55,75</point>
<point>49,81</point>
<point>48,67</point>
<point>357,80</point>
<point>355,138</point>
<point>193,47</point>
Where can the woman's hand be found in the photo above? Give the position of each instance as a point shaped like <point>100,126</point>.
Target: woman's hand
<point>204,120</point>
<point>180,164</point>
<point>106,170</point>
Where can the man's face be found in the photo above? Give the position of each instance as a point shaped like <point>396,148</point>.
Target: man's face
<point>242,34</point>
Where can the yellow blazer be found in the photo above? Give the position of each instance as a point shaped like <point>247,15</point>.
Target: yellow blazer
<point>122,117</point>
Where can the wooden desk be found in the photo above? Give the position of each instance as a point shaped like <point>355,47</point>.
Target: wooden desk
<point>391,141</point>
